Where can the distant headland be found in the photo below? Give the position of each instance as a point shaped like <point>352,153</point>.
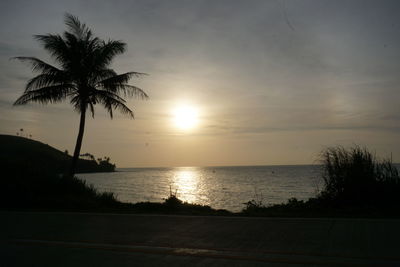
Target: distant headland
<point>22,152</point>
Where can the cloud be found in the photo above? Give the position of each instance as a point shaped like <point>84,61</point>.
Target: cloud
<point>241,62</point>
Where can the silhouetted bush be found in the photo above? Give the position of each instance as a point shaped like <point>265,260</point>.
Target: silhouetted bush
<point>173,202</point>
<point>173,205</point>
<point>26,188</point>
<point>253,206</point>
<point>355,176</point>
<point>356,184</point>
<point>31,188</point>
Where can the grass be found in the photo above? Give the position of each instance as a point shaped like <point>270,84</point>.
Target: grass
<point>173,205</point>
<point>50,191</point>
<point>356,184</point>
<point>356,177</point>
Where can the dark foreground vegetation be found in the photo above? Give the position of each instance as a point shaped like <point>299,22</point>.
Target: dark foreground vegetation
<point>29,190</point>
<point>356,185</point>
<point>23,153</point>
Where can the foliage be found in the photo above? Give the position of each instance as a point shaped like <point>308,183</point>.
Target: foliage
<point>252,206</point>
<point>355,176</point>
<point>356,184</point>
<point>172,200</point>
<point>32,189</point>
<point>82,75</point>
<point>105,165</point>
<point>31,186</point>
<point>174,205</point>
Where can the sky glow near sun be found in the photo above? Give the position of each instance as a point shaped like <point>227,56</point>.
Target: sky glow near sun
<point>185,117</point>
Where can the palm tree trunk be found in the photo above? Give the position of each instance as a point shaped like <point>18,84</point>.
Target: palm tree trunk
<point>78,145</point>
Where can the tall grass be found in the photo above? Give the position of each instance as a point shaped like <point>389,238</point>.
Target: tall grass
<point>356,176</point>
<point>34,189</point>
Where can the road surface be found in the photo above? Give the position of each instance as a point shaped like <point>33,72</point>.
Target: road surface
<point>87,239</point>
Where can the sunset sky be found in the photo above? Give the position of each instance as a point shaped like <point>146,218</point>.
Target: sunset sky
<point>268,82</point>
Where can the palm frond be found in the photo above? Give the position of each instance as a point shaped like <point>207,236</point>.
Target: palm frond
<point>93,43</point>
<point>107,51</point>
<point>133,91</point>
<point>79,103</point>
<point>49,94</point>
<point>114,83</point>
<point>98,94</point>
<point>119,79</point>
<point>38,65</point>
<point>101,74</point>
<point>112,102</point>
<point>56,45</point>
<point>45,80</point>
<point>91,107</point>
<point>77,28</point>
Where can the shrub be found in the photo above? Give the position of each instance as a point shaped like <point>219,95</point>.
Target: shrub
<point>355,176</point>
<point>33,189</point>
<point>253,206</point>
<point>173,201</point>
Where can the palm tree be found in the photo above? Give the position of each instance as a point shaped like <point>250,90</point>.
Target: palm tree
<point>84,76</point>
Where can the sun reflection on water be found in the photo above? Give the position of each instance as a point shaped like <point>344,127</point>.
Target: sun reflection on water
<point>187,183</point>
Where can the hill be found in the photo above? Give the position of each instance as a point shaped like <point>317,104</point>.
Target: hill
<point>18,152</point>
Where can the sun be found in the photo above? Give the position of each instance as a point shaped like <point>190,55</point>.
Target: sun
<point>185,117</point>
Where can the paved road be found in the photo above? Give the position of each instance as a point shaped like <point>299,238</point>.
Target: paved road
<point>82,239</point>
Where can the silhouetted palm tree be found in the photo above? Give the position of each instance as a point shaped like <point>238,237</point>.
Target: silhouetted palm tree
<point>84,76</point>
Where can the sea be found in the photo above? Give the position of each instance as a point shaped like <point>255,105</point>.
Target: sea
<point>219,187</point>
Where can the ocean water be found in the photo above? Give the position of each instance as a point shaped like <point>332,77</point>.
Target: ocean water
<point>220,187</point>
